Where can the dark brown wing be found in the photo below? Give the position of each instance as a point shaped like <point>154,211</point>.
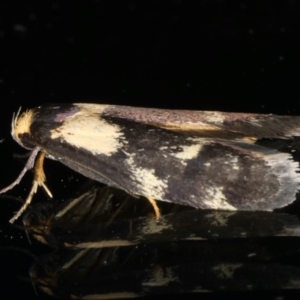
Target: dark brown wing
<point>211,123</point>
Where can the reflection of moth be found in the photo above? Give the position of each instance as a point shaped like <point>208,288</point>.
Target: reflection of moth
<point>202,159</point>
<point>106,217</point>
<point>190,269</point>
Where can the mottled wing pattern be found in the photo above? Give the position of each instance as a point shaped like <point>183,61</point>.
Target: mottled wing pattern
<point>148,152</point>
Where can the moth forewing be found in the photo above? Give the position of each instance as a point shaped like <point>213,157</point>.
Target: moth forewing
<point>165,155</point>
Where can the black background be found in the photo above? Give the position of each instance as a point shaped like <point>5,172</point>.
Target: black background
<point>206,55</point>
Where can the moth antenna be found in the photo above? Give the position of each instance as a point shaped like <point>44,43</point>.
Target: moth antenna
<point>14,120</point>
<point>39,180</point>
<point>29,165</point>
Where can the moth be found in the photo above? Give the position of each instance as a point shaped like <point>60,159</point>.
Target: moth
<point>204,159</point>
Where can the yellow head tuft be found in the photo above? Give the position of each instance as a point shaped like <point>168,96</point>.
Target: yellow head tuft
<point>21,124</point>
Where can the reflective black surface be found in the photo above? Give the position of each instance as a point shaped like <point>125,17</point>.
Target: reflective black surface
<point>210,55</point>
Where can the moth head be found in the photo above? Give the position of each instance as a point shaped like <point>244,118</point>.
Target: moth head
<point>20,125</point>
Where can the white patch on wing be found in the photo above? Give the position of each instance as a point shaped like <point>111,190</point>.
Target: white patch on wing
<point>191,151</point>
<point>147,182</point>
<point>215,199</point>
<point>233,162</point>
<point>287,173</point>
<point>87,130</point>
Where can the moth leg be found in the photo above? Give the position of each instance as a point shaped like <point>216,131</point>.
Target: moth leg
<point>155,207</point>
<point>39,175</point>
<point>29,165</point>
<point>39,180</point>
